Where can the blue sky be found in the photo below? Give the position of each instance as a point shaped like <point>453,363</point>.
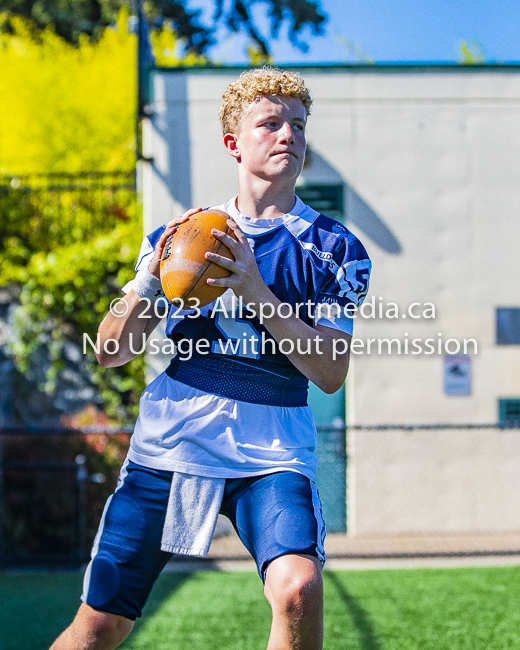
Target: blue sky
<point>391,31</point>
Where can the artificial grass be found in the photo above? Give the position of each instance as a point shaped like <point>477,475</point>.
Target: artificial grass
<point>423,609</point>
<point>419,609</point>
<point>36,607</point>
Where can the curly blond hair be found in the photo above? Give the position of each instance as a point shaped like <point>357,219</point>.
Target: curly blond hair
<point>253,84</point>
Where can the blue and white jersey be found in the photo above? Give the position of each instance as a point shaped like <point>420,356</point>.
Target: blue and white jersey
<point>240,409</point>
<point>311,263</point>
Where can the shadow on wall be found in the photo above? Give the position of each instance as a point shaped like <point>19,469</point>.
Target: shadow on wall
<point>317,171</point>
<point>173,166</point>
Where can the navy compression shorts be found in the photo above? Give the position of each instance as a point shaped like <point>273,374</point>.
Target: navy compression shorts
<point>273,514</point>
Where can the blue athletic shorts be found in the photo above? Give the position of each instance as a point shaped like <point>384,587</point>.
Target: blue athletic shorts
<point>273,514</point>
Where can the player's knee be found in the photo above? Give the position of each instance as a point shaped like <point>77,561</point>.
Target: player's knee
<point>102,582</point>
<point>102,630</point>
<point>110,629</point>
<point>301,591</point>
<point>292,588</point>
<point>101,587</point>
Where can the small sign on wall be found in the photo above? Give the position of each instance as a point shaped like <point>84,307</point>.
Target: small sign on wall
<point>457,374</point>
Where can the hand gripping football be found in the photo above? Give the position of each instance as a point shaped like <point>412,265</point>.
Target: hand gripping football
<point>184,269</point>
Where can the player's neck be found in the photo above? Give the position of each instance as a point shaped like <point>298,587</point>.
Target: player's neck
<point>265,202</point>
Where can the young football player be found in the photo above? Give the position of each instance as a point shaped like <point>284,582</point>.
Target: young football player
<point>228,429</point>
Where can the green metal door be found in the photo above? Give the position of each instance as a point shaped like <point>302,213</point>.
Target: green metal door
<point>329,410</point>
<point>331,477</point>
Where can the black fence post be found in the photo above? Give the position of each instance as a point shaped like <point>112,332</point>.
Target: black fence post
<point>82,476</point>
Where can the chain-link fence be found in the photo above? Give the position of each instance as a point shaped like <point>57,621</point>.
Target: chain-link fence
<point>434,489</point>
<point>53,487</point>
<point>416,491</point>
<point>411,491</point>
<point>60,208</point>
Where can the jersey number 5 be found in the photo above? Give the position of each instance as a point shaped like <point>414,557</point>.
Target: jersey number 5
<point>241,338</point>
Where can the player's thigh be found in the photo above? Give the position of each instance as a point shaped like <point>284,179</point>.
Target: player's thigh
<point>276,514</point>
<point>127,556</point>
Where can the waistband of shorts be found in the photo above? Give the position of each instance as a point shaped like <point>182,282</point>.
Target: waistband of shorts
<point>241,381</point>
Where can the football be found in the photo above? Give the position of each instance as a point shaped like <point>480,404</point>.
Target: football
<point>184,269</point>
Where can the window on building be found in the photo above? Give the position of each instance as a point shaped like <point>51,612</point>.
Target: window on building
<point>509,410</point>
<point>508,325</point>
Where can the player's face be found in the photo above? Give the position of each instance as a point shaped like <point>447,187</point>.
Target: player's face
<point>271,142</point>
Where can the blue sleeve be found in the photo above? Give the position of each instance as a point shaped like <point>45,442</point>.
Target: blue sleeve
<point>145,253</point>
<point>345,287</point>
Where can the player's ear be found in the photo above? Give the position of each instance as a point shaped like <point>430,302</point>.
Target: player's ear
<point>231,144</point>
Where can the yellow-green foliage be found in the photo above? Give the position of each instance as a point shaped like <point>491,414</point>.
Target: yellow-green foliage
<point>65,295</point>
<point>67,108</point>
<point>471,54</point>
<point>165,44</point>
<point>67,253</point>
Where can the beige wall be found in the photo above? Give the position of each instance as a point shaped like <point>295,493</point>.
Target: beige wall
<point>434,482</point>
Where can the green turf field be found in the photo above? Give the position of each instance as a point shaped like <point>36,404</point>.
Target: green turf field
<point>419,609</point>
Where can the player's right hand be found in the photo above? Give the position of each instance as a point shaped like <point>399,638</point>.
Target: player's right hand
<point>155,265</point>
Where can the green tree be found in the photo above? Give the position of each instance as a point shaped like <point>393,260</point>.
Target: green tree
<point>72,18</point>
<point>65,257</point>
<point>66,253</point>
<point>67,108</point>
<point>471,55</point>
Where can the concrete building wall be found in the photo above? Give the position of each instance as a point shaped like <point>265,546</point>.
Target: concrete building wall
<point>427,158</point>
<point>420,482</point>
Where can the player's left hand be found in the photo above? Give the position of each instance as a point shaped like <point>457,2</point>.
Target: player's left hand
<point>245,278</point>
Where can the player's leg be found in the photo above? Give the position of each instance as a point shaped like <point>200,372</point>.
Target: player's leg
<point>93,630</point>
<point>126,561</point>
<point>278,518</point>
<point>294,589</point>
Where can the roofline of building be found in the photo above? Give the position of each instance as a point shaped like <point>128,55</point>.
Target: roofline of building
<point>405,66</point>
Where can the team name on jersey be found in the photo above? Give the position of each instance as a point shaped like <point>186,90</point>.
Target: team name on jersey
<point>313,248</point>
